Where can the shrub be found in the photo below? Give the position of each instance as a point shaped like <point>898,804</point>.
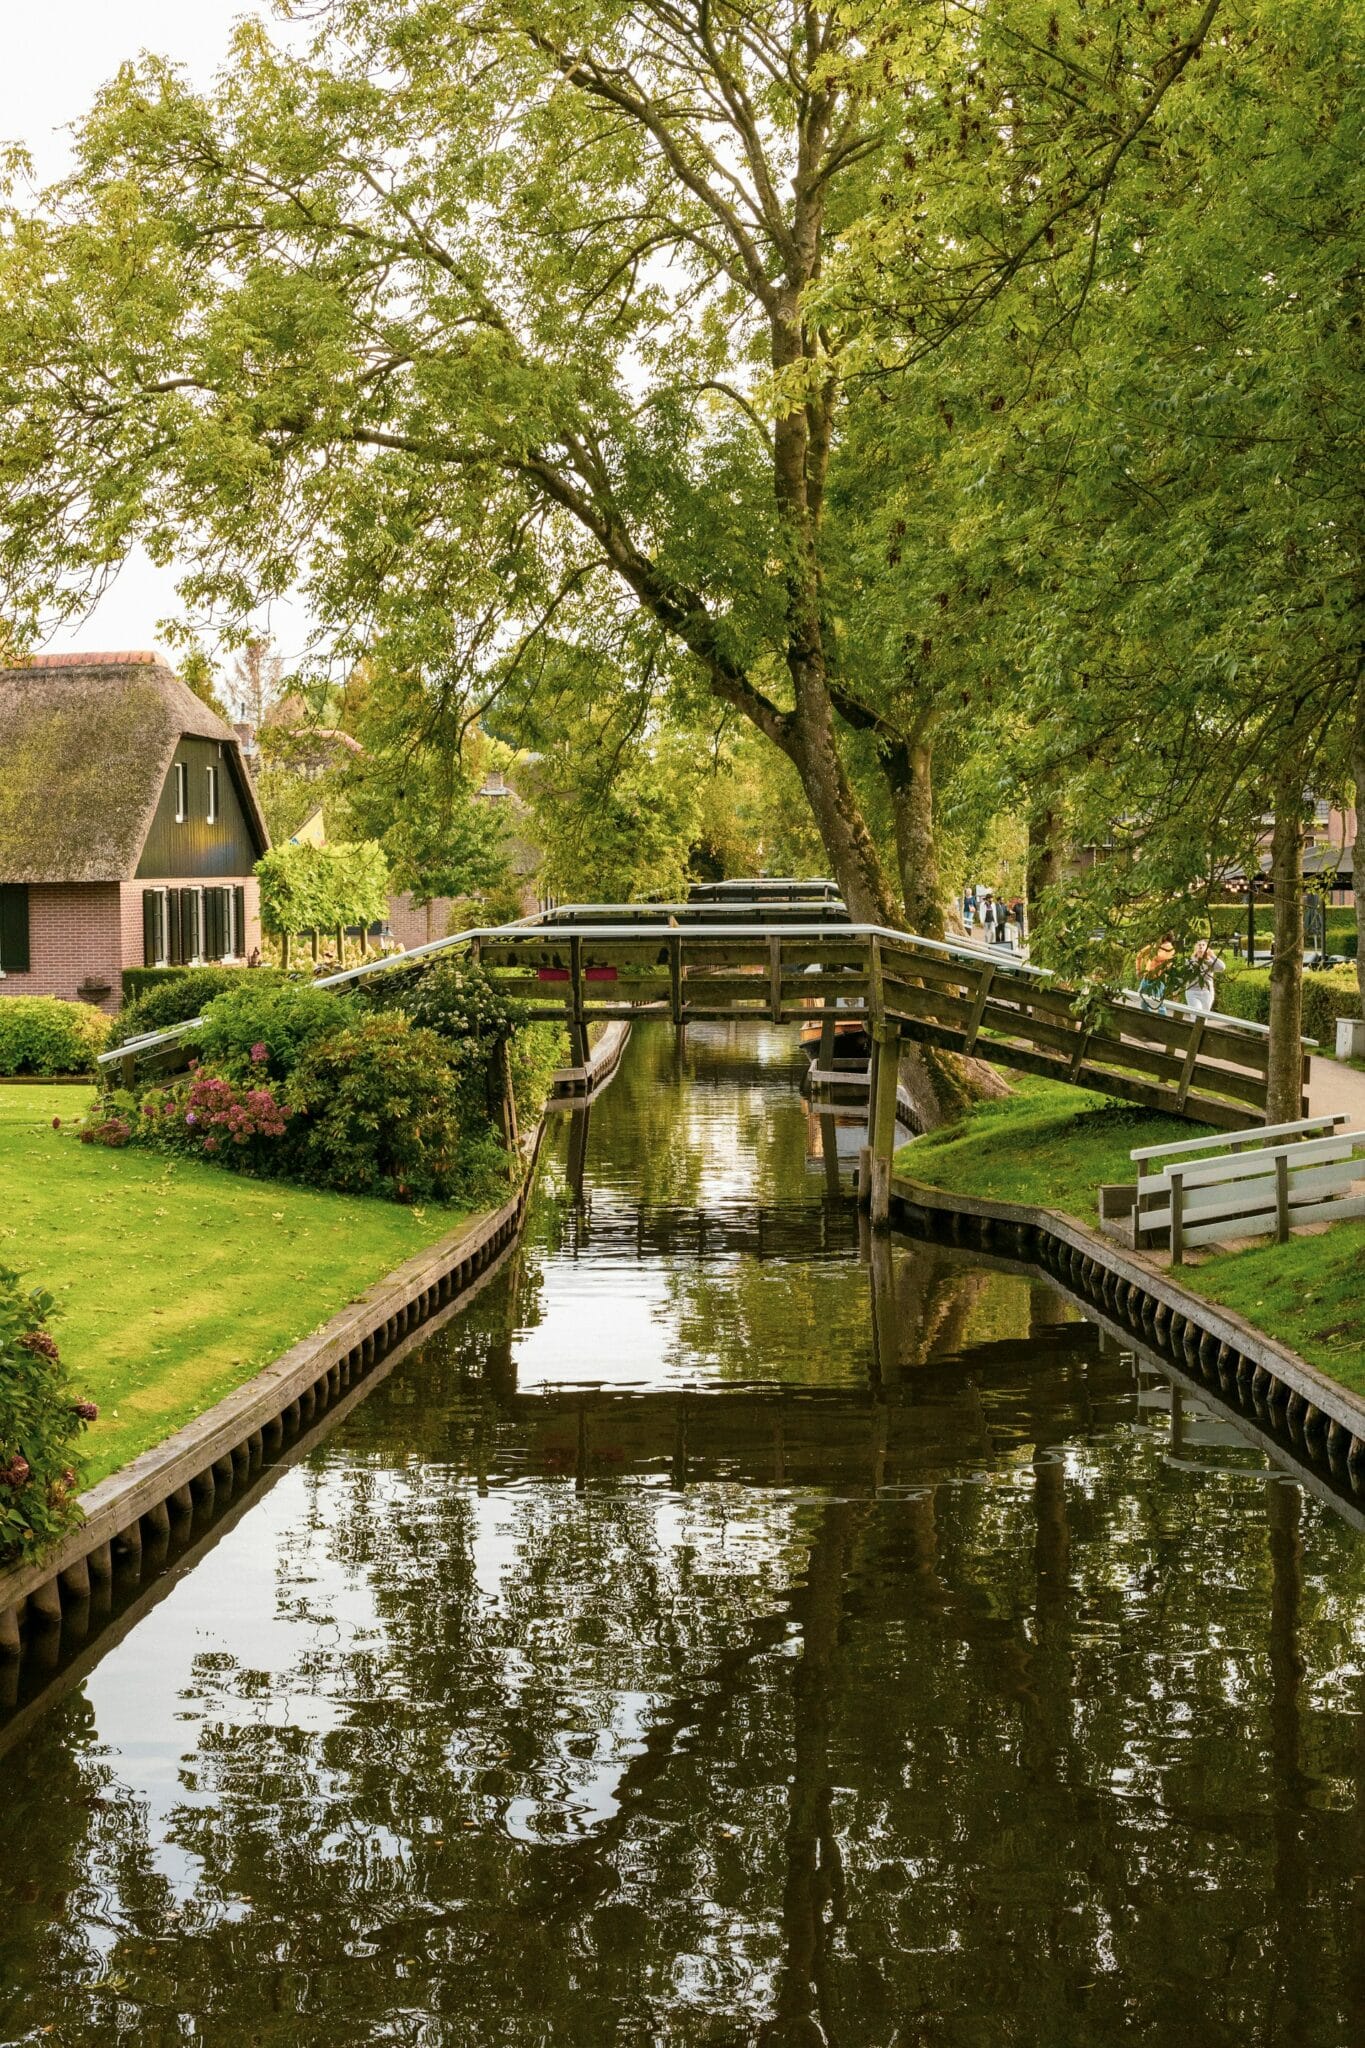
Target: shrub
<point>1326,996</point>
<point>42,1035</point>
<point>214,1116</point>
<point>454,998</point>
<point>39,1424</point>
<point>112,1129</point>
<point>469,1013</point>
<point>262,1029</point>
<point>537,1053</point>
<point>186,992</point>
<point>381,1111</point>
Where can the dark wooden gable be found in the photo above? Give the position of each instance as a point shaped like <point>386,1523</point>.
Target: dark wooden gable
<point>228,846</point>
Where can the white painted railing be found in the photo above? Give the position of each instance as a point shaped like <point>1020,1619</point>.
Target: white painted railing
<point>1259,1189</point>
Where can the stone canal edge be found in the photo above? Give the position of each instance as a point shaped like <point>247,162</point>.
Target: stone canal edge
<point>1284,1394</point>
<point>137,1508</point>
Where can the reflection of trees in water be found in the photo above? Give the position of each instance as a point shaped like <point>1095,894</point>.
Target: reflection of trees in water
<point>1031,1759</point>
<point>1052,1742</point>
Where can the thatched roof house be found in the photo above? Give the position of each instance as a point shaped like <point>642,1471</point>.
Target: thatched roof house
<point>129,826</point>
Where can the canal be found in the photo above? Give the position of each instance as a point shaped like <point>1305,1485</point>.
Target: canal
<point>710,1637</point>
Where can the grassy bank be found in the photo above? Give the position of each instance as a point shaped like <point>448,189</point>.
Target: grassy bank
<point>177,1281</point>
<point>1052,1145</point>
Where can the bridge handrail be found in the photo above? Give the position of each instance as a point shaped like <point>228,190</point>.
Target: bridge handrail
<point>524,929</point>
<point>1254,1135</point>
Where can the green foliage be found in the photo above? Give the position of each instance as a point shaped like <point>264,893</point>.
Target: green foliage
<point>379,1101</point>
<point>40,1422</point>
<point>42,1035</point>
<point>179,993</point>
<point>262,1029</point>
<point>456,999</point>
<point>1327,995</point>
<point>535,1054</point>
<point>318,888</point>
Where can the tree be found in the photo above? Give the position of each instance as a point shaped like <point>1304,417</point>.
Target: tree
<point>254,685</point>
<point>322,888</point>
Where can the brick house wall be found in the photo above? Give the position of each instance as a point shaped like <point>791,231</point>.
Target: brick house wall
<point>131,910</point>
<point>90,931</point>
<point>74,935</point>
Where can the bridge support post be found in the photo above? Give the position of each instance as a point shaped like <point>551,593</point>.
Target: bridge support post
<point>882,1123</point>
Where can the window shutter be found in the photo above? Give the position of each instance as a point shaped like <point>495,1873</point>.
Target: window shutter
<point>150,950</point>
<point>14,927</point>
<point>215,942</point>
<point>239,922</point>
<point>170,899</point>
<point>191,936</point>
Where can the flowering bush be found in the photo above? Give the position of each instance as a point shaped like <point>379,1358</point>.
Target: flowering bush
<point>39,1425</point>
<point>112,1130</point>
<point>211,1114</point>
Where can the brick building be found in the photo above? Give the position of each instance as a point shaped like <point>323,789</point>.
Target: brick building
<point>129,827</point>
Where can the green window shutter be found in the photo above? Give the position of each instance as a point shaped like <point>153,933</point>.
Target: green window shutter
<point>191,938</point>
<point>14,927</point>
<point>215,942</point>
<point>239,921</point>
<point>150,921</point>
<point>171,899</point>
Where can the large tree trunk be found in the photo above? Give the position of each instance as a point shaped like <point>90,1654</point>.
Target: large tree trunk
<point>1358,873</point>
<point>1284,1094</point>
<point>852,851</point>
<point>909,766</point>
<point>1044,858</point>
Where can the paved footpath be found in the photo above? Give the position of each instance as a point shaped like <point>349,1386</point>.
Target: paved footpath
<point>1333,1087</point>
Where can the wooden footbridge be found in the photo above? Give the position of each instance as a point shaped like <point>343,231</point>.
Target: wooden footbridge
<point>791,962</point>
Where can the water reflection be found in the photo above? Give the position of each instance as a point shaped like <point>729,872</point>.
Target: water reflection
<point>724,1632</point>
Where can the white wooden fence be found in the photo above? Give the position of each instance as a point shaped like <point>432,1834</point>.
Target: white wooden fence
<point>1271,1180</point>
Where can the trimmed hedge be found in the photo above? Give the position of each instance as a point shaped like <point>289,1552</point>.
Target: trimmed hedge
<point>1326,996</point>
<point>44,1035</point>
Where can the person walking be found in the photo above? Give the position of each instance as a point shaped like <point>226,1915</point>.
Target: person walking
<point>1001,915</point>
<point>969,910</point>
<point>1204,965</point>
<point>1153,965</point>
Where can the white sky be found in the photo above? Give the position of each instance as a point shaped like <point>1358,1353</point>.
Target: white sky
<point>57,53</point>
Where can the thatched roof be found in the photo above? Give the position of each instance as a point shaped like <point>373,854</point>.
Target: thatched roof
<point>86,744</point>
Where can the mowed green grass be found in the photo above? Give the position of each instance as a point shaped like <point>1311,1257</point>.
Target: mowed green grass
<point>177,1281</point>
<point>1051,1146</point>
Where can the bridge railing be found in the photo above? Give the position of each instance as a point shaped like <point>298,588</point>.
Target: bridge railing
<point>946,993</point>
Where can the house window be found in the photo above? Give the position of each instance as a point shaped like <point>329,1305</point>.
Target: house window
<point>212,812</point>
<point>182,792</point>
<point>14,927</point>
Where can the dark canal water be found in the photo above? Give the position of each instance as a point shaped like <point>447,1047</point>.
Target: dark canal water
<point>711,1639</point>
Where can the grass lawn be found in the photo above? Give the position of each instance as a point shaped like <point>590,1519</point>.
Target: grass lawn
<point>1052,1145</point>
<point>176,1281</point>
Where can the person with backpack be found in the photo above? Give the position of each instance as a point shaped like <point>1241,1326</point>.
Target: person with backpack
<point>1153,965</point>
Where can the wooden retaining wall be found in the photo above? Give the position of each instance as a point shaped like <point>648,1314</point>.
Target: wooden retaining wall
<point>573,1086</point>
<point>132,1516</point>
<point>1286,1396</point>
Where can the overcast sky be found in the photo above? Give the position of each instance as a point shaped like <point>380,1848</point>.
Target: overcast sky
<point>56,55</point>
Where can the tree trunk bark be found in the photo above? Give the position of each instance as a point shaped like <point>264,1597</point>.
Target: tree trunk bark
<point>1284,1093</point>
<point>1044,857</point>
<point>852,852</point>
<point>1358,872</point>
<point>910,777</point>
